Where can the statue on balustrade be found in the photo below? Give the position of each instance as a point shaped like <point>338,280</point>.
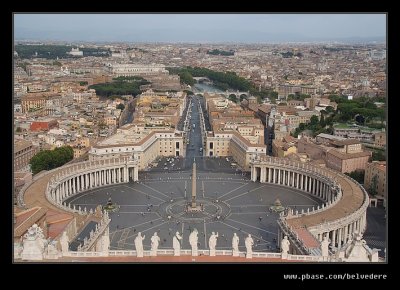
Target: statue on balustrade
<point>155,240</point>
<point>176,244</point>
<point>139,244</point>
<point>285,245</point>
<point>193,240</point>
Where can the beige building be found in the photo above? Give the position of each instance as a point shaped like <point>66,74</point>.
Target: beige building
<point>79,151</point>
<point>236,132</point>
<point>110,120</point>
<point>284,147</point>
<point>23,152</point>
<point>132,69</point>
<point>152,132</point>
<point>347,162</point>
<point>231,143</point>
<point>341,154</point>
<point>32,103</point>
<point>144,144</point>
<point>378,169</point>
<point>380,139</point>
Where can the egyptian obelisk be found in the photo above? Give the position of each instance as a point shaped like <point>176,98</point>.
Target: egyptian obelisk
<point>194,185</point>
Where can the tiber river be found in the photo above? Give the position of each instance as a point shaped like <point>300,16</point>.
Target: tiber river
<point>205,87</point>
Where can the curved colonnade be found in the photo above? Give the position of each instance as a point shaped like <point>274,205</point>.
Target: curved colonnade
<point>88,175</point>
<point>344,206</point>
<point>344,201</point>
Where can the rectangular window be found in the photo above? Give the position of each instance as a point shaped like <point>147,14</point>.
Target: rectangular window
<point>211,145</point>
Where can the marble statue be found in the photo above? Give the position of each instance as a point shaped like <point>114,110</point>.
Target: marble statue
<point>249,242</point>
<point>155,241</point>
<point>285,247</point>
<point>235,245</point>
<point>17,250</point>
<point>139,244</point>
<point>176,244</point>
<point>33,244</point>
<point>193,239</point>
<point>212,243</point>
<point>325,247</point>
<point>64,243</point>
<point>52,252</point>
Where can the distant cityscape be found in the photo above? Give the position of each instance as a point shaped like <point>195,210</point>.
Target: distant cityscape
<point>106,135</point>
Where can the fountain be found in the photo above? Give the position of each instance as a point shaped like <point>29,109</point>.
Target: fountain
<point>110,206</point>
<point>277,207</point>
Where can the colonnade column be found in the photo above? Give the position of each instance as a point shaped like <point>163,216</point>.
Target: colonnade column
<point>340,238</point>
<point>69,187</point>
<point>333,238</point>
<point>79,183</point>
<point>306,183</point>
<point>346,234</point>
<point>269,175</point>
<point>279,176</point>
<point>135,173</point>
<point>263,174</point>
<point>126,176</point>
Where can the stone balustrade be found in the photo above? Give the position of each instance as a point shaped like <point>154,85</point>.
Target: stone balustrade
<point>170,252</point>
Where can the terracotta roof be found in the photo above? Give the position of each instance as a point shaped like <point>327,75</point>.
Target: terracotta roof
<point>352,199</point>
<point>26,219</point>
<point>308,239</point>
<point>349,155</point>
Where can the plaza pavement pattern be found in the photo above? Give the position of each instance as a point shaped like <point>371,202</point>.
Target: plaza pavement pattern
<point>247,209</point>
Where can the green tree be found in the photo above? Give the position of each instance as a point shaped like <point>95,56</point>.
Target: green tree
<point>186,78</point>
<point>373,187</point>
<point>357,175</point>
<point>19,130</point>
<point>330,109</point>
<point>121,106</point>
<point>290,97</point>
<point>50,159</point>
<point>322,120</point>
<point>378,155</point>
<point>314,120</point>
<point>120,86</point>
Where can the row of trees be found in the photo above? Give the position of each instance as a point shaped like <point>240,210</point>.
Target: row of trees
<point>297,97</point>
<point>323,125</point>
<point>223,81</point>
<point>50,159</point>
<point>120,86</point>
<point>54,51</point>
<point>364,106</point>
<point>357,175</point>
<point>363,110</point>
<point>221,52</point>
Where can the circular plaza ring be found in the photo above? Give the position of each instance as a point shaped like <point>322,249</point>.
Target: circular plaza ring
<point>212,210</point>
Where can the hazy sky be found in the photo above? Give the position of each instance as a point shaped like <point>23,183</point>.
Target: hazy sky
<point>198,27</point>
